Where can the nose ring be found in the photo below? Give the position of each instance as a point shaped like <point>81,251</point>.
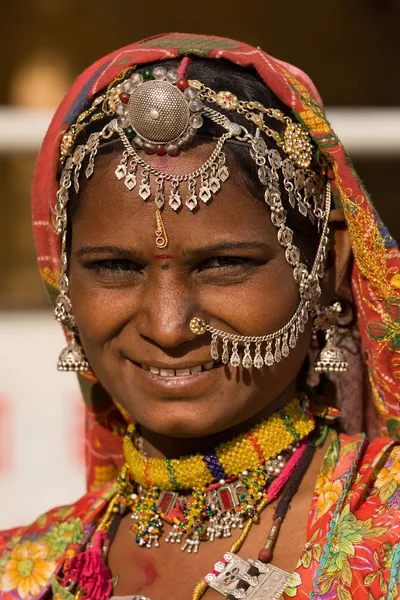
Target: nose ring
<point>197,326</point>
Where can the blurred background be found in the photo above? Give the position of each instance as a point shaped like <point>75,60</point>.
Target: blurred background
<point>350,49</point>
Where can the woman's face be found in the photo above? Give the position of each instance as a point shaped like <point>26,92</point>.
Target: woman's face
<point>133,302</point>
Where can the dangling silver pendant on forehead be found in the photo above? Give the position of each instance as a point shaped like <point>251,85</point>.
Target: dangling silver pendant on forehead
<point>160,114</point>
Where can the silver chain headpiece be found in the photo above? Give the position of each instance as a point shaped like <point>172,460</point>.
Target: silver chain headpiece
<point>162,116</point>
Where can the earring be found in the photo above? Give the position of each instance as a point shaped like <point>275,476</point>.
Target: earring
<point>72,358</point>
<point>331,358</point>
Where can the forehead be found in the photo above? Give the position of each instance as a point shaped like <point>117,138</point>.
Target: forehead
<point>107,211</point>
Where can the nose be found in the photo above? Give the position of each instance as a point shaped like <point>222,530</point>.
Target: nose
<point>165,313</point>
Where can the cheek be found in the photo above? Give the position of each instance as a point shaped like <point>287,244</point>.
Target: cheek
<point>100,312</point>
<point>262,305</point>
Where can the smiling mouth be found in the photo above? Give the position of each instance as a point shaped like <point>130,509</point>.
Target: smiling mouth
<point>180,372</point>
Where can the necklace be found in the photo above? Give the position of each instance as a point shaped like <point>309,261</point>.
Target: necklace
<point>232,576</point>
<point>227,484</point>
<point>243,453</point>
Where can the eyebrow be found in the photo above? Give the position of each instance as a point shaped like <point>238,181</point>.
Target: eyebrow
<point>84,250</point>
<point>128,252</point>
<point>250,245</point>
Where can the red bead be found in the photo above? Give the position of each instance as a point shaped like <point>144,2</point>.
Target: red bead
<point>264,555</point>
<point>124,97</point>
<point>182,84</point>
<point>160,150</point>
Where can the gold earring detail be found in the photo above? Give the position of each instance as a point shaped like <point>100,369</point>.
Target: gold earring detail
<point>331,358</point>
<point>72,358</point>
<point>197,326</point>
<point>161,233</point>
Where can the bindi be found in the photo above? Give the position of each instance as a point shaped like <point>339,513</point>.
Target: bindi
<point>165,267</point>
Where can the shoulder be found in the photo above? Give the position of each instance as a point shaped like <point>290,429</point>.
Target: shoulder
<point>369,465</point>
<point>30,555</point>
<point>355,470</point>
<point>354,528</point>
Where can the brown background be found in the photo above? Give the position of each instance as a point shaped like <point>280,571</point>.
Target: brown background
<point>350,48</point>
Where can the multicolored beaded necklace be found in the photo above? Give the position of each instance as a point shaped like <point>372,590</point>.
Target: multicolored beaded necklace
<point>257,467</point>
<point>226,484</point>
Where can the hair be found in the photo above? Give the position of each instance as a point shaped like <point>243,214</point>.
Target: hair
<point>246,84</point>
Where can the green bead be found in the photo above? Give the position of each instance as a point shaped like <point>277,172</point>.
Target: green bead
<point>130,132</point>
<point>148,74</point>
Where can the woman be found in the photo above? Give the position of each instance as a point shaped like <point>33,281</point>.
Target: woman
<point>195,220</point>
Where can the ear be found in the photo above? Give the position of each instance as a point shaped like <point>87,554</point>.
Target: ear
<point>342,248</point>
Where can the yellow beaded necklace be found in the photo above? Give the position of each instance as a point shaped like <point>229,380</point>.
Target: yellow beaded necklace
<point>230,459</point>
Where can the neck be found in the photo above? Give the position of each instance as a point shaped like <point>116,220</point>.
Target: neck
<point>162,446</point>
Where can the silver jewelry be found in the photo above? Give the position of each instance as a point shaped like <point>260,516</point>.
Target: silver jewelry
<point>72,358</point>
<point>331,358</point>
<point>231,569</point>
<point>164,119</point>
<point>269,349</point>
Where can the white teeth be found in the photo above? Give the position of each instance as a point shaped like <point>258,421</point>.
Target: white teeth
<point>183,371</point>
<point>179,372</point>
<point>167,372</point>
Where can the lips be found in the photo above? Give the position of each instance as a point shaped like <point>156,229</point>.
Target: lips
<point>167,372</point>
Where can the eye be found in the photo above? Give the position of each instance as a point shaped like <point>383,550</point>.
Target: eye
<point>114,266</point>
<point>227,262</point>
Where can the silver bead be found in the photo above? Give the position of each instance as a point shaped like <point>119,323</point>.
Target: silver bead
<point>128,86</point>
<point>137,79</point>
<point>235,129</point>
<point>123,122</point>
<point>195,105</point>
<point>196,121</point>
<point>222,481</point>
<point>172,149</point>
<point>172,76</point>
<point>120,109</point>
<point>149,148</point>
<point>191,131</point>
<point>160,73</point>
<point>113,124</point>
<point>190,93</point>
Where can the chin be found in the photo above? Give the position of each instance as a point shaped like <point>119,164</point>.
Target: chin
<point>184,419</point>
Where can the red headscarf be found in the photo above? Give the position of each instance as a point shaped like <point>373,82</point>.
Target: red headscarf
<point>375,278</point>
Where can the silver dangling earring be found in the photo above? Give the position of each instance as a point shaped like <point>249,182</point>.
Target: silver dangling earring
<point>72,358</point>
<point>331,358</point>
